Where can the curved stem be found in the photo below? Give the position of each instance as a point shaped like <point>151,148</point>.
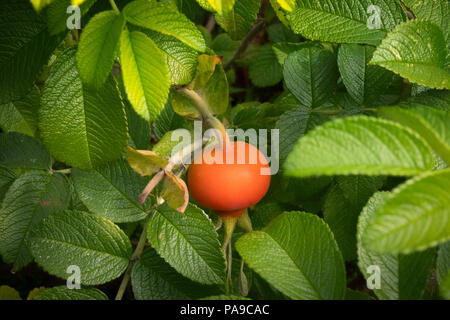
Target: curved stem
<point>204,111</point>
<point>114,6</point>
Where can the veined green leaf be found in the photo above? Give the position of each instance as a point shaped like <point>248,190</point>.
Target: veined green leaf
<point>238,21</point>
<point>21,115</point>
<point>264,69</point>
<point>96,245</point>
<point>346,21</point>
<point>98,47</point>
<point>31,197</point>
<point>111,191</point>
<point>293,124</point>
<point>364,82</point>
<point>401,276</point>
<point>64,293</point>
<point>25,46</point>
<point>180,58</point>
<point>432,124</point>
<point>359,145</point>
<point>310,74</point>
<point>298,255</point>
<point>342,206</point>
<point>165,19</point>
<point>439,99</point>
<point>414,217</point>
<point>175,237</point>
<point>437,11</point>
<point>19,151</point>
<point>7,177</point>
<point>145,74</point>
<point>80,126</point>
<point>154,279</point>
<point>416,50</point>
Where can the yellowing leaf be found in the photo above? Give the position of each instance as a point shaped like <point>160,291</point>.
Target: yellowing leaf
<point>40,4</point>
<point>288,5</point>
<point>205,69</point>
<point>175,192</point>
<point>221,6</point>
<point>145,162</point>
<point>77,2</point>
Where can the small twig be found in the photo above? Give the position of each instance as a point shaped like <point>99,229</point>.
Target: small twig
<point>257,27</point>
<point>211,23</point>
<point>64,171</point>
<point>136,255</point>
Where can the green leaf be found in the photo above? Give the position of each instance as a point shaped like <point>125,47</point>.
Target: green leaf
<point>221,6</point>
<point>64,293</point>
<point>359,145</point>
<point>342,206</point>
<point>279,33</point>
<point>439,99</point>
<point>310,74</point>
<point>345,21</point>
<point>436,11</point>
<point>8,293</point>
<point>145,74</point>
<point>21,115</point>
<point>154,279</point>
<point>111,191</point>
<point>180,58</point>
<point>293,124</point>
<point>444,287</point>
<point>96,245</point>
<point>98,47</point>
<point>138,128</point>
<point>297,254</point>
<point>164,18</point>
<point>264,69</point>
<point>238,21</point>
<point>401,276</point>
<point>31,197</point>
<point>19,151</point>
<point>365,83</point>
<point>432,124</point>
<point>167,120</point>
<point>416,50</point>
<point>25,46</point>
<point>224,46</point>
<point>443,261</point>
<point>414,217</point>
<point>7,177</point>
<point>189,243</point>
<point>82,127</point>
<point>283,49</point>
